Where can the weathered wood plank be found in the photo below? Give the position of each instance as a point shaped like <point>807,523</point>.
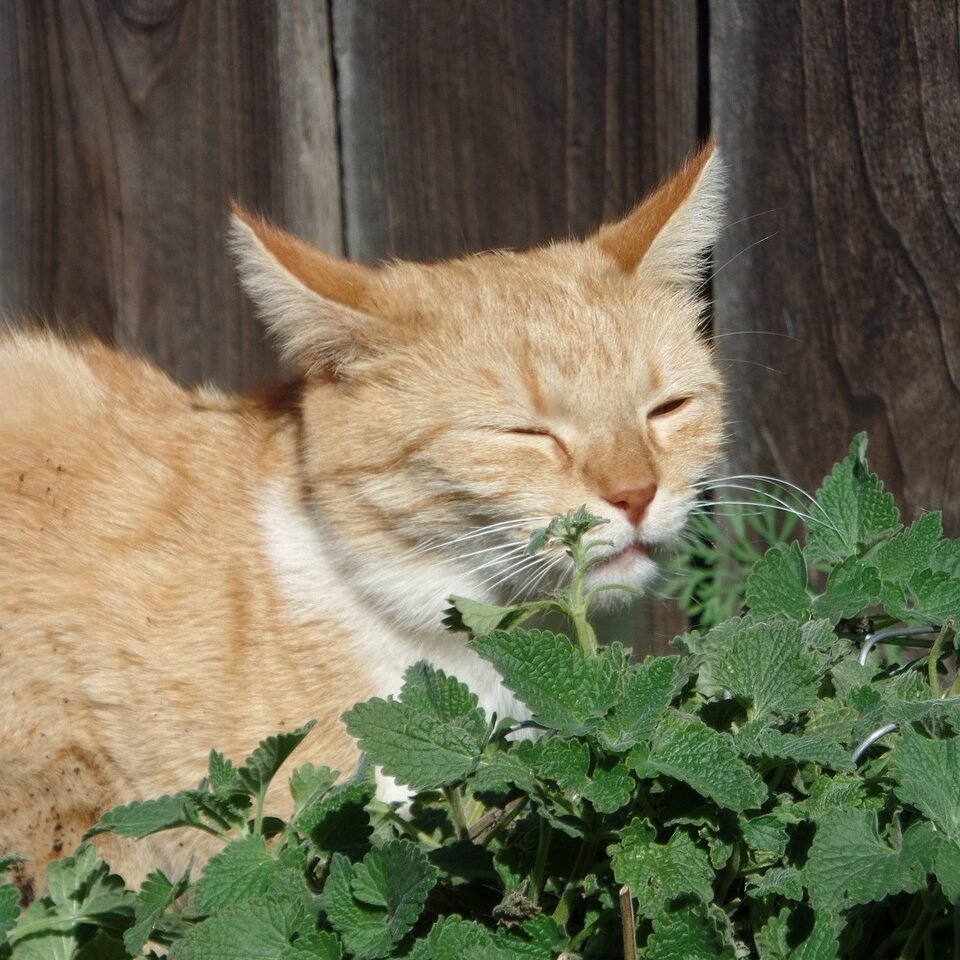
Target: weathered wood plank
<point>841,121</point>
<point>127,127</point>
<point>500,123</point>
<point>497,123</point>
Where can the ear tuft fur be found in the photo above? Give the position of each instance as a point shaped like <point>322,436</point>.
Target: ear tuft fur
<point>312,302</point>
<point>668,233</point>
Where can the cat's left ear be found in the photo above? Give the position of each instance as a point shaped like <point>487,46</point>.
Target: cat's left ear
<point>666,236</point>
<point>319,307</point>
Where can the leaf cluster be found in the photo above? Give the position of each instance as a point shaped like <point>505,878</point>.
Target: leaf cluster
<point>767,791</point>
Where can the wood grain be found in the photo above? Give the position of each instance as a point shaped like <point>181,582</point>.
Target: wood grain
<point>494,123</point>
<point>841,121</point>
<point>132,122</point>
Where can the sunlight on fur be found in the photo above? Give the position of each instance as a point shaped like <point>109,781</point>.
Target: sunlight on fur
<point>185,569</point>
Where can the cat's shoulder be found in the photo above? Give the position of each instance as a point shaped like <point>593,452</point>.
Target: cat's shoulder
<point>45,377</point>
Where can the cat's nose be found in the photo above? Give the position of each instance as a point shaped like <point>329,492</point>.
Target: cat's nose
<point>633,502</point>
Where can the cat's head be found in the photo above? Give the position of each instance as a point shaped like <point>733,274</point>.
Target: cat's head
<point>451,408</point>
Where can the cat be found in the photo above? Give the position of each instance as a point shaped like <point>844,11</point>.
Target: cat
<point>181,569</point>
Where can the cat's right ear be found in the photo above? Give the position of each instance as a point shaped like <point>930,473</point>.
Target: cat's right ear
<point>316,305</point>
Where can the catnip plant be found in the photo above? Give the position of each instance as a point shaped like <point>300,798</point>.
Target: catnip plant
<point>785,786</point>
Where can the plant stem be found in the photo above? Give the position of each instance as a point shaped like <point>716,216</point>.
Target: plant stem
<point>455,799</point>
<point>934,657</point>
<point>628,924</point>
<point>577,603</point>
<point>411,831</point>
<point>496,821</point>
<point>584,858</point>
<point>540,864</point>
<point>258,816</point>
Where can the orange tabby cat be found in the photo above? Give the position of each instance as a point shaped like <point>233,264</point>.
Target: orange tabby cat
<point>183,569</point>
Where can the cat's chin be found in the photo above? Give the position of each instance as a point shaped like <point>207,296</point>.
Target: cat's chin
<point>631,566</point>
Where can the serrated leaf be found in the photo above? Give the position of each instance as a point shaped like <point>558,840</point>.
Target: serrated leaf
<point>255,930</point>
<point>765,835</point>
<point>552,758</point>
<point>414,749</point>
<point>946,866</point>
<point>373,904</point>
<point>565,689</point>
<point>479,618</point>
<point>244,870</point>
<point>777,584</point>
<point>910,550</point>
<point>850,863</point>
<point>313,946</point>
<point>929,778</point>
<point>261,766</point>
<point>852,511</point>
<point>144,817</point>
<point>685,748</point>
<point>777,881</point>
<point>777,940</point>
<point>767,665</point>
<point>157,894</point>
<point>9,909</point>
<point>609,790</point>
<point>690,932</point>
<point>935,597</point>
<point>946,557</point>
<point>754,741</point>
<point>222,773</point>
<point>648,689</point>
<point>309,784</point>
<point>659,872</point>
<point>443,698</point>
<point>830,718</point>
<point>851,588</point>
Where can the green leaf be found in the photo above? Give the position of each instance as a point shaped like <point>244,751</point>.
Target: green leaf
<point>314,946</point>
<point>144,817</point>
<point>849,863</point>
<point>755,741</point>
<point>929,778</point>
<point>659,872</point>
<point>853,512</point>
<point>255,930</point>
<point>610,789</point>
<point>373,904</point>
<point>851,589</point>
<point>261,766</point>
<point>565,761</point>
<point>777,584</point>
<point>783,882</point>
<point>440,697</point>
<point>947,868</point>
<point>9,909</point>
<point>309,784</point>
<point>910,550</point>
<point>685,748</point>
<point>936,597</point>
<point>223,774</point>
<point>476,617</point>
<point>777,940</point>
<point>648,688</point>
<point>156,895</point>
<point>946,557</point>
<point>414,749</point>
<point>768,665</point>
<point>564,688</point>
<point>245,870</point>
<point>765,834</point>
<point>690,932</point>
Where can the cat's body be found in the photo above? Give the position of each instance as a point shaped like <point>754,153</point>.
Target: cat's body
<point>181,570</point>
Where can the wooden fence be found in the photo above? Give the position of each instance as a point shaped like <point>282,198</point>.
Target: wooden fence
<point>422,128</point>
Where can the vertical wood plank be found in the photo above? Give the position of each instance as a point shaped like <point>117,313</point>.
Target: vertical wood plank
<point>495,123</point>
<point>841,122</point>
<point>132,123</point>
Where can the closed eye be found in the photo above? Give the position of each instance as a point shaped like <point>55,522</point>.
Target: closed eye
<point>668,407</point>
<point>539,432</point>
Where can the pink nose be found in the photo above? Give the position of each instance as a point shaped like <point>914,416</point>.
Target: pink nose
<point>633,502</point>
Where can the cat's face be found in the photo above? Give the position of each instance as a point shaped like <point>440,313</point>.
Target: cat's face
<point>456,407</point>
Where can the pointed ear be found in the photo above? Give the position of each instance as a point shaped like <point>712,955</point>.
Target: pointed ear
<point>668,233</point>
<point>314,304</point>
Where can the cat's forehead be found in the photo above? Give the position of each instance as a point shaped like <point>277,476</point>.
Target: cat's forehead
<point>550,300</point>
